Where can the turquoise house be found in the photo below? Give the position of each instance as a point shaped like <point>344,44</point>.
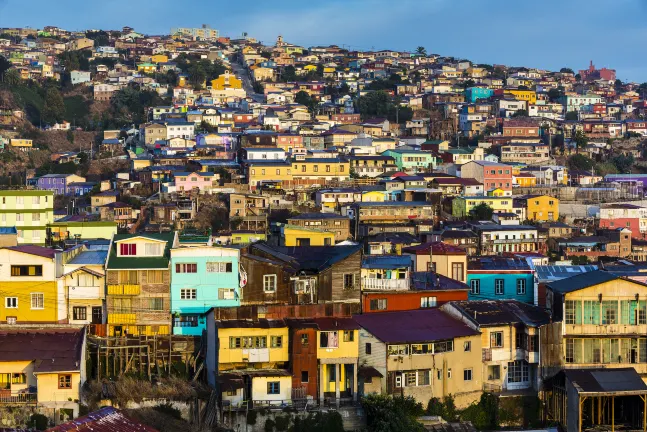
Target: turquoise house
<point>473,94</point>
<point>501,278</point>
<point>202,277</point>
<point>411,160</point>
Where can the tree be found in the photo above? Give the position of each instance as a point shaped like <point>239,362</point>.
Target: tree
<point>304,98</point>
<point>12,77</point>
<point>571,115</point>
<point>481,212</point>
<point>54,106</point>
<point>555,93</point>
<point>580,139</point>
<point>421,51</point>
<point>604,168</point>
<point>197,75</point>
<point>288,74</point>
<point>580,260</point>
<point>374,104</point>
<point>5,65</point>
<point>566,70</point>
<point>520,113</point>
<point>579,162</point>
<point>386,413</point>
<point>623,163</point>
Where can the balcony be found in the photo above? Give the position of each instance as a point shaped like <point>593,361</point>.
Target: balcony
<point>121,318</point>
<point>8,398</point>
<point>84,292</point>
<point>511,241</point>
<point>370,284</point>
<point>124,289</point>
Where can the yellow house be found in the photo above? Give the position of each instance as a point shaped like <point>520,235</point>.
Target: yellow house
<point>301,236</point>
<point>448,260</point>
<point>337,353</point>
<point>542,208</point>
<point>148,68</point>
<point>310,68</point>
<point>181,80</point>
<point>320,170</point>
<point>462,206</point>
<point>243,237</point>
<point>33,290</point>
<point>374,196</point>
<point>529,96</point>
<point>44,368</point>
<point>523,179</point>
<point>159,58</point>
<point>496,192</point>
<point>83,230</point>
<point>21,143</point>
<point>271,173</point>
<point>225,81</point>
<point>249,359</point>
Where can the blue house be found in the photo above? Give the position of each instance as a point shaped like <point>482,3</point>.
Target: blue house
<point>473,94</point>
<point>500,278</point>
<point>202,277</point>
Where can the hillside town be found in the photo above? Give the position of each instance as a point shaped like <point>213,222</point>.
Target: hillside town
<point>202,232</point>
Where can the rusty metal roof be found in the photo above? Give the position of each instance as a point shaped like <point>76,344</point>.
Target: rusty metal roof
<point>55,350</point>
<point>106,419</point>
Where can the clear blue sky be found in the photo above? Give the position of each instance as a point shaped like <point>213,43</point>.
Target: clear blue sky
<point>541,33</point>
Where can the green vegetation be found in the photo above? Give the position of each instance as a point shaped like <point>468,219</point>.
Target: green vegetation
<point>481,212</point>
<point>380,104</point>
<point>386,413</point>
<point>319,422</point>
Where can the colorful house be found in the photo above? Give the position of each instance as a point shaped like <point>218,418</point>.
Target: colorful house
<point>305,236</point>
<point>59,183</point>
<point>149,68</point>
<point>463,206</point>
<point>411,160</point>
<point>138,282</point>
<point>84,281</point>
<point>226,81</point>
<point>204,182</point>
<point>249,360</point>
<point>44,368</point>
<point>542,208</point>
<point>202,277</point>
<point>497,278</point>
<point>85,230</point>
<point>33,290</point>
<point>29,211</point>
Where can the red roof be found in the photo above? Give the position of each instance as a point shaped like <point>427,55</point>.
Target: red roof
<point>34,250</point>
<point>106,419</point>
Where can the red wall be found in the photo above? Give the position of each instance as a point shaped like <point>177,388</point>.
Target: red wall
<point>634,225</point>
<point>410,300</point>
<point>305,358</point>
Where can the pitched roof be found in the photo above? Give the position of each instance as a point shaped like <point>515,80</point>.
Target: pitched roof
<point>422,325</point>
<point>107,419</point>
<point>52,350</point>
<point>438,248</point>
<point>583,280</point>
<point>128,262</point>
<point>502,312</point>
<point>34,250</point>
<point>308,258</point>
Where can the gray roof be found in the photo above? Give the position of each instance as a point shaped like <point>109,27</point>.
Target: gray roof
<point>583,280</point>
<point>624,380</point>
<point>90,257</point>
<point>551,273</point>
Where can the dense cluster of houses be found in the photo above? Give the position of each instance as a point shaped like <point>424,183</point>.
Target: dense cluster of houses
<point>426,258</point>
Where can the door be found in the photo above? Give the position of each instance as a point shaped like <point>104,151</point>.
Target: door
<point>97,315</point>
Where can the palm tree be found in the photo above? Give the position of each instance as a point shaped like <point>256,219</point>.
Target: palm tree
<point>12,77</point>
<point>421,51</point>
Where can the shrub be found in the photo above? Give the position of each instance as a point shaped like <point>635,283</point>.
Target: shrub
<point>269,425</point>
<point>168,408</point>
<point>251,417</point>
<point>39,422</point>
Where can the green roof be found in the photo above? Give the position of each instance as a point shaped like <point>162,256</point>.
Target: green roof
<point>25,192</point>
<point>135,263</point>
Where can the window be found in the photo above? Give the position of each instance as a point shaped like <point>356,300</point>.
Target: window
<point>235,342</point>
<point>304,376</point>
<point>153,249</point>
<point>276,341</point>
<point>329,339</point>
<point>398,350</point>
<point>26,270</point>
<point>494,372</point>
<point>65,381</point>
<point>20,200</point>
<point>467,346</point>
<point>304,340</point>
<point>37,301</point>
<point>457,271</point>
<point>377,304</point>
<point>79,312</point>
<point>11,302</point>
<point>155,276</point>
<point>475,286</point>
<point>226,294</point>
<point>188,293</point>
<point>498,286</point>
<point>573,312</point>
<point>18,378</point>
<point>496,340</point>
<point>122,305</point>
<point>427,302</point>
<point>467,374</point>
<point>449,373</point>
<point>128,277</point>
<point>518,371</point>
<point>521,286</point>
<point>398,381</point>
<point>609,312</point>
<point>127,249</point>
<point>368,348</point>
<point>349,281</point>
<point>35,217</point>
<point>274,387</point>
<point>441,347</point>
<point>269,283</point>
<point>349,335</point>
<point>422,348</point>
<point>186,268</point>
<point>156,303</point>
<point>219,267</point>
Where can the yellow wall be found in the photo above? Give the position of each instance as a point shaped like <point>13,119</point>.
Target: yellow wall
<point>540,207</point>
<point>463,205</point>
<point>319,169</point>
<point>443,264</point>
<point>159,58</point>
<point>24,312</point>
<point>317,237</point>
<point>48,390</point>
<point>328,385</point>
<point>135,330</point>
<point>524,95</point>
<point>226,81</point>
<point>257,173</point>
<point>259,388</point>
<point>26,367</point>
<point>526,181</point>
<point>344,350</point>
<point>374,196</point>
<point>18,142</point>
<point>235,355</point>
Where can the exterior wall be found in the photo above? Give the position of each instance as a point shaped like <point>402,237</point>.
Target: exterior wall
<point>409,300</point>
<point>259,389</point>
<point>510,280</point>
<point>304,358</point>
<point>50,396</point>
<point>315,237</point>
<point>543,208</point>
<point>344,350</point>
<point>462,206</point>
<point>31,217</point>
<point>230,358</point>
<point>253,292</point>
<point>340,227</point>
<point>207,284</point>
<point>442,263</point>
<point>26,367</point>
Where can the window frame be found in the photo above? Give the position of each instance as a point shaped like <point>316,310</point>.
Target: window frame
<point>271,281</point>
<point>76,312</point>
<point>42,297</point>
<point>494,339</point>
<point>15,302</point>
<point>64,381</point>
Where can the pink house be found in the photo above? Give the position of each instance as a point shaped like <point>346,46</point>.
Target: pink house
<point>202,181</point>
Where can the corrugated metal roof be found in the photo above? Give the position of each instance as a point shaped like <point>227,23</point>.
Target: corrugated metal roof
<point>51,350</point>
<point>90,257</point>
<point>558,272</point>
<point>581,281</point>
<point>106,419</point>
<point>606,380</point>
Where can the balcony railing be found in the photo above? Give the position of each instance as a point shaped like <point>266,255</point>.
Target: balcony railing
<point>385,284</point>
<point>512,241</point>
<point>124,289</point>
<point>18,398</point>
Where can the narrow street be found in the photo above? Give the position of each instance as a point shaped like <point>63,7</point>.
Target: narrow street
<point>243,74</point>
